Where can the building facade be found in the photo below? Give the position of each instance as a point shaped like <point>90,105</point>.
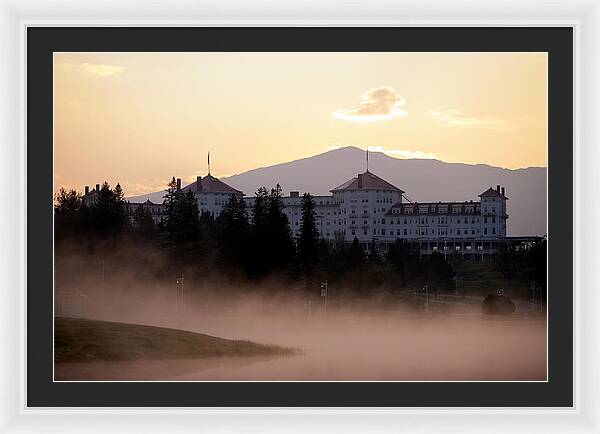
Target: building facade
<point>370,209</point>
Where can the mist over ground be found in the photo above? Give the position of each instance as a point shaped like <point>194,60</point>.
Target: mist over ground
<point>356,339</point>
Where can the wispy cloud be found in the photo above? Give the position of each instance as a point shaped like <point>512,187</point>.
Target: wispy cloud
<point>101,69</point>
<point>376,105</point>
<point>396,153</point>
<point>458,118</point>
<point>403,153</point>
<point>139,188</point>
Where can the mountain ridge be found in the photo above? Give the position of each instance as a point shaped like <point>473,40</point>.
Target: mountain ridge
<point>424,180</point>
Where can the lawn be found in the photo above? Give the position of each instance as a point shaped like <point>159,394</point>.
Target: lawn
<point>83,340</point>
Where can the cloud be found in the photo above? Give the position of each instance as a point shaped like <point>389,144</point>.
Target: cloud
<point>458,118</point>
<point>102,69</point>
<point>403,153</point>
<point>396,153</point>
<point>376,105</point>
<point>141,187</point>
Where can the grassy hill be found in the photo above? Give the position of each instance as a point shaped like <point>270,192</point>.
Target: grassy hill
<point>82,340</point>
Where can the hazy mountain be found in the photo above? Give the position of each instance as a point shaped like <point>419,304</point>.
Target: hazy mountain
<point>422,180</point>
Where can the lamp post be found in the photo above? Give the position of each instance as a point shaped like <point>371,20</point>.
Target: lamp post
<point>180,282</point>
<point>324,294</point>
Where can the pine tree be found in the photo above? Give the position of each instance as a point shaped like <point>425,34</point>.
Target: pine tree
<point>356,255</point>
<point>309,235</point>
<point>280,235</point>
<point>144,222</point>
<point>234,231</point>
<point>189,217</point>
<point>108,211</point>
<point>171,201</point>
<point>68,211</point>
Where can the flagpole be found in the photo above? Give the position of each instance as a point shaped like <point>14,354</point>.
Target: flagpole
<point>209,162</point>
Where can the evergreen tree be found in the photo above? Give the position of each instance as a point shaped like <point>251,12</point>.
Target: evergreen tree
<point>234,231</point>
<point>280,236</point>
<point>356,255</point>
<point>189,217</point>
<point>68,202</point>
<point>309,235</point>
<point>144,222</point>
<point>108,211</point>
<point>259,261</point>
<point>171,201</point>
<point>68,210</point>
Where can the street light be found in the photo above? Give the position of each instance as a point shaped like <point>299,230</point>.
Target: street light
<point>180,282</point>
<point>324,293</point>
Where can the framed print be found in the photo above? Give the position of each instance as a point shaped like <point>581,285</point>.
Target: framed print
<point>302,220</point>
<point>334,269</point>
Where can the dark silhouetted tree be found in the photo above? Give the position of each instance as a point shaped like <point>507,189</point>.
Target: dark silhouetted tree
<point>309,235</point>
<point>144,224</point>
<point>234,232</point>
<point>108,212</point>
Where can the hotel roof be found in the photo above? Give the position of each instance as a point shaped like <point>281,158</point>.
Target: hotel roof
<point>490,192</point>
<point>366,181</point>
<point>210,184</point>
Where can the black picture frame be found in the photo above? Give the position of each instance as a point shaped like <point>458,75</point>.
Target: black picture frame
<point>42,42</point>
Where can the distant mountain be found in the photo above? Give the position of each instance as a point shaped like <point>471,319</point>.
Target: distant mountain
<point>423,181</point>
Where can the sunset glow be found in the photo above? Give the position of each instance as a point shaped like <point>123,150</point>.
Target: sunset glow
<point>140,119</point>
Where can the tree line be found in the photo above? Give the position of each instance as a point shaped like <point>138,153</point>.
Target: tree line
<point>250,242</point>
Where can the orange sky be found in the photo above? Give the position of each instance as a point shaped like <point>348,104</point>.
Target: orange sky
<point>142,118</point>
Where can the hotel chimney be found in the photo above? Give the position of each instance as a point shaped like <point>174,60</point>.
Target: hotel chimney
<point>498,188</point>
<point>198,183</point>
<point>178,183</point>
<point>97,187</point>
<point>87,189</point>
<point>360,180</point>
<point>502,191</point>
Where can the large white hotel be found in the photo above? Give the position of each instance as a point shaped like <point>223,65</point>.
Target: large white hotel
<point>371,209</point>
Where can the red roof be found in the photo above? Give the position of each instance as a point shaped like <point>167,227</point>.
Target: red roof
<point>211,184</point>
<point>491,192</point>
<point>367,181</point>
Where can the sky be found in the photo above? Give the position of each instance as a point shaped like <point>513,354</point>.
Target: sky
<point>142,118</point>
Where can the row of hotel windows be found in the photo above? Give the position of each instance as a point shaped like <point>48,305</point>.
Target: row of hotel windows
<point>420,221</point>
<point>378,200</point>
<point>441,210</point>
<point>422,231</point>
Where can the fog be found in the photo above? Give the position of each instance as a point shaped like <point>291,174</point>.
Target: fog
<point>358,341</point>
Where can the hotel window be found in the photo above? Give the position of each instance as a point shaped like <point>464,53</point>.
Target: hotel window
<point>353,232</point>
<point>485,219</point>
<point>493,230</point>
<point>383,232</point>
<point>484,231</point>
<point>365,232</point>
<point>405,232</point>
